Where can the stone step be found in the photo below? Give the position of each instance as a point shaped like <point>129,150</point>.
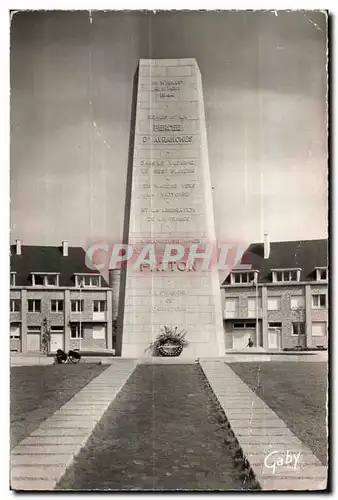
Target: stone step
<point>78,411</point>
<point>256,457</point>
<point>29,459</point>
<point>261,431</point>
<point>53,472</point>
<point>67,424</point>
<point>292,484</point>
<point>265,449</point>
<point>45,449</point>
<point>74,420</point>
<point>83,405</point>
<point>66,432</point>
<point>304,470</point>
<point>257,424</point>
<point>258,414</point>
<point>273,440</point>
<point>47,440</point>
<point>32,484</point>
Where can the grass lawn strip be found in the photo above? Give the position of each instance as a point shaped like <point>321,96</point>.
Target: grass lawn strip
<point>165,431</point>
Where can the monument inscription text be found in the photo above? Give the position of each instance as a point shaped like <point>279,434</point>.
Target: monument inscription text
<point>171,201</point>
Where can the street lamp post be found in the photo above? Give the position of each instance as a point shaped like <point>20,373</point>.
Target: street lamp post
<point>80,326</point>
<point>257,310</point>
<point>255,283</point>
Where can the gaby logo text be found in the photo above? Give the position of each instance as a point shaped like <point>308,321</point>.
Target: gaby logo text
<point>277,459</point>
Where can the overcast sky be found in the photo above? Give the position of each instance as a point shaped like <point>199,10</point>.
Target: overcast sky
<point>264,82</point>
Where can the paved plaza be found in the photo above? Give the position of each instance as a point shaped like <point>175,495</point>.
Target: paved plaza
<point>164,426</point>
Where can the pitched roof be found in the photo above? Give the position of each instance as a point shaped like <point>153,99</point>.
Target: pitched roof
<point>305,255</point>
<point>48,260</point>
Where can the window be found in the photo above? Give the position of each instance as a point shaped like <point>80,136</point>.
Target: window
<point>51,280</point>
<point>76,305</point>
<point>37,280</point>
<point>279,276</point>
<point>285,275</point>
<point>297,302</point>
<point>56,305</point>
<point>88,280</point>
<point>321,274</point>
<point>45,279</point>
<point>231,307</point>
<point>34,305</point>
<point>14,331</point>
<point>273,303</point>
<point>14,305</point>
<point>99,332</point>
<point>249,324</point>
<point>57,329</point>
<point>34,329</point>
<point>12,279</point>
<point>76,332</point>
<point>99,305</point>
<point>318,329</point>
<point>319,301</point>
<point>247,277</point>
<point>231,304</point>
<point>298,328</point>
<point>275,324</point>
<point>254,307</point>
<point>252,303</point>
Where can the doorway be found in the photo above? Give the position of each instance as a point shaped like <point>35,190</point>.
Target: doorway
<point>274,336</point>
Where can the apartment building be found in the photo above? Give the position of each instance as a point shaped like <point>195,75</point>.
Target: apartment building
<point>54,283</point>
<point>278,296</point>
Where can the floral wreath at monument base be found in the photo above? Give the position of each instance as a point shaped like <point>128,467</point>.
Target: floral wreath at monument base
<point>169,342</point>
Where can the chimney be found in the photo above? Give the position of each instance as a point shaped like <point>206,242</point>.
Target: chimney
<point>18,247</point>
<point>266,246</point>
<point>65,248</point>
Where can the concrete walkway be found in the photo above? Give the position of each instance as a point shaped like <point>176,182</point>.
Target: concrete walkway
<point>38,462</point>
<point>162,433</point>
<point>260,432</point>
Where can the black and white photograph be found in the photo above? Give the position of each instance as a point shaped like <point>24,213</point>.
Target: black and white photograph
<point>169,252</point>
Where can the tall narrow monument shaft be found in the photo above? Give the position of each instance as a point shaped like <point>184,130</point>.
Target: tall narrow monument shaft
<point>171,203</point>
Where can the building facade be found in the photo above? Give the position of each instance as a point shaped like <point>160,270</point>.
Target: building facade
<point>278,297</point>
<point>54,285</point>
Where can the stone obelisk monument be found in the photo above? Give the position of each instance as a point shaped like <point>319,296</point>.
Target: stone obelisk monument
<point>171,203</point>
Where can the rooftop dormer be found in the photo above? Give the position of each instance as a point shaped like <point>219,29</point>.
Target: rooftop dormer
<point>285,275</point>
<point>88,280</point>
<point>321,273</point>
<point>243,277</point>
<point>45,279</point>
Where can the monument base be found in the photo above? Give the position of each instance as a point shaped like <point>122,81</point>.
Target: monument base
<point>192,351</point>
